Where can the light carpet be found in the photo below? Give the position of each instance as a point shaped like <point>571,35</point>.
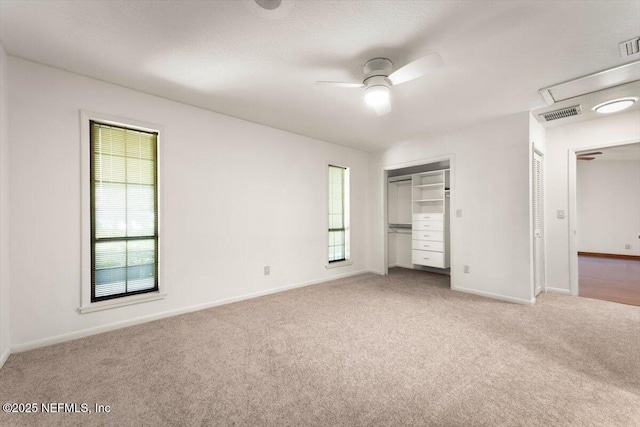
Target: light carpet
<point>367,350</point>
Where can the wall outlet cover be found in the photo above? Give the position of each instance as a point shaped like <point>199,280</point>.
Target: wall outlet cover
<point>267,270</point>
<point>459,213</point>
<point>627,246</point>
<point>465,268</point>
<point>561,214</point>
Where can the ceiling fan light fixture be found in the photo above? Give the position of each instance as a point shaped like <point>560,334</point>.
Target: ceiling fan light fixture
<point>614,106</point>
<point>376,96</point>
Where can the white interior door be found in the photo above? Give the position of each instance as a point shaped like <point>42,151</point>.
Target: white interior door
<point>538,223</point>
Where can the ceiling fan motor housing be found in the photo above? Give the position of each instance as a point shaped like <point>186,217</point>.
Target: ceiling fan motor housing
<point>376,72</point>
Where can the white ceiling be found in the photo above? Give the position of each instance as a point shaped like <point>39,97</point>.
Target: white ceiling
<point>220,56</point>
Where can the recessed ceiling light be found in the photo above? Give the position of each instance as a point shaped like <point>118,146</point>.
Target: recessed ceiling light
<point>614,106</point>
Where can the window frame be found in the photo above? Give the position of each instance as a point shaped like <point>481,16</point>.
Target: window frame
<point>346,207</point>
<point>88,303</point>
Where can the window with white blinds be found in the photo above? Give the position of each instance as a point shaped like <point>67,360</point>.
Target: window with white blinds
<point>338,213</point>
<point>124,211</point>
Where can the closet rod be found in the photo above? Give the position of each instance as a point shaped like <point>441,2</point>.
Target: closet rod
<point>391,180</point>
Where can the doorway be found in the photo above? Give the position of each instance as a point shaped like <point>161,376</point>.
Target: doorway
<point>417,215</point>
<point>607,229</point>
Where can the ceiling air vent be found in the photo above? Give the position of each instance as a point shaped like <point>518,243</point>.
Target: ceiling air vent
<point>630,47</point>
<point>562,113</point>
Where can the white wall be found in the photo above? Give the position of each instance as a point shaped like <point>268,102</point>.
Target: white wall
<point>490,183</point>
<point>606,131</point>
<point>608,201</point>
<point>4,210</point>
<point>238,196</point>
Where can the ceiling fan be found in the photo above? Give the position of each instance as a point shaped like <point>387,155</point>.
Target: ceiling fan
<point>588,156</point>
<point>378,79</point>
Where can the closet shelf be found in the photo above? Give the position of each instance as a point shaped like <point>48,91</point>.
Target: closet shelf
<point>427,200</point>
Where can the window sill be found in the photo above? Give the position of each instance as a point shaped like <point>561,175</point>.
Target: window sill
<point>121,302</point>
<point>338,264</point>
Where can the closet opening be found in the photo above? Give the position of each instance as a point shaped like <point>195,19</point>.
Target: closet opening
<point>418,214</point>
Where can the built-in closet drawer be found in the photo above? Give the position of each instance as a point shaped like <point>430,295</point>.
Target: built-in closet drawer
<point>426,245</point>
<point>428,217</point>
<point>435,236</point>
<point>428,258</point>
<point>428,225</point>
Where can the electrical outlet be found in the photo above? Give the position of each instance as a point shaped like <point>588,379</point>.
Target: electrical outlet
<point>267,270</point>
<point>459,213</point>
<point>627,246</point>
<point>465,268</point>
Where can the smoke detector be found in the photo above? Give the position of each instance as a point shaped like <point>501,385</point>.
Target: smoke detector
<point>270,9</point>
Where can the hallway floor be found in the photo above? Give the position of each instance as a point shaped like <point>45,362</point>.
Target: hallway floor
<point>610,279</point>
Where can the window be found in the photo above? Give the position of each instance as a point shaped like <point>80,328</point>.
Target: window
<point>124,211</point>
<point>338,214</point>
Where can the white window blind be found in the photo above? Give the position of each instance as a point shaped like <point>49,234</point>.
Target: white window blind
<point>124,211</point>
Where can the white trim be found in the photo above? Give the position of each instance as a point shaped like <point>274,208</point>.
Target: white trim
<point>420,162</point>
<point>573,224</point>
<point>339,264</point>
<point>384,230</point>
<point>4,356</point>
<point>494,296</point>
<point>121,302</point>
<point>558,291</point>
<point>169,313</point>
<point>86,306</point>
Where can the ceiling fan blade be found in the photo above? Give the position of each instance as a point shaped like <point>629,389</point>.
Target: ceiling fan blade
<point>585,158</point>
<point>415,69</point>
<point>593,153</point>
<point>340,84</point>
<point>383,109</point>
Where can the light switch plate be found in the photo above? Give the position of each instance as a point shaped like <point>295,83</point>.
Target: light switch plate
<point>459,213</point>
<point>560,213</point>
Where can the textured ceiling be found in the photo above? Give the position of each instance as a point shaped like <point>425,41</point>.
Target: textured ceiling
<point>222,56</point>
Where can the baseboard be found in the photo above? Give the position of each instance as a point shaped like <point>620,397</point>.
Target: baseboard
<point>17,348</point>
<point>558,291</point>
<point>617,256</point>
<point>494,296</point>
<point>4,356</point>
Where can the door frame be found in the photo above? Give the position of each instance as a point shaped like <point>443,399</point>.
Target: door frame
<point>573,208</point>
